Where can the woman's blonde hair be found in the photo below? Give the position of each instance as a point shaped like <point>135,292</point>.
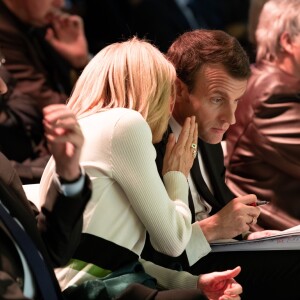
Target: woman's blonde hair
<point>131,74</point>
<point>277,17</point>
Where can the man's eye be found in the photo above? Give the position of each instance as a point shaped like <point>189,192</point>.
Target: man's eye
<point>217,100</point>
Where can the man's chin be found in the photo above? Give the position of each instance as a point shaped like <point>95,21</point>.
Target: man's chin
<point>211,140</point>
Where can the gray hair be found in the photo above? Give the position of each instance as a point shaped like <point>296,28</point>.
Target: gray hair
<point>277,17</point>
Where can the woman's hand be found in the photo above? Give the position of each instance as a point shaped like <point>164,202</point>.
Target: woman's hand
<point>64,138</point>
<point>180,155</point>
<point>221,285</point>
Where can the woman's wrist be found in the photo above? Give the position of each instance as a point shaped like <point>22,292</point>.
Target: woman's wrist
<point>69,177</point>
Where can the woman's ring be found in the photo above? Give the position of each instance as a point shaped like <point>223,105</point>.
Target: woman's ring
<point>194,146</point>
<point>194,153</point>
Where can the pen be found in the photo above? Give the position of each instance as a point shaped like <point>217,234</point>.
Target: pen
<point>259,202</point>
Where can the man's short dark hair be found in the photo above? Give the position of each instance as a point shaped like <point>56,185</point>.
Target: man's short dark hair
<point>194,49</point>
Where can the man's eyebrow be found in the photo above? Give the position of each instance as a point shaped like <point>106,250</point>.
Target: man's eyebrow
<point>220,92</point>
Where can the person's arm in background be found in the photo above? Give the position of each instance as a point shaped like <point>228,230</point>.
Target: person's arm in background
<point>21,131</point>
<point>20,122</point>
<point>214,285</point>
<point>61,222</point>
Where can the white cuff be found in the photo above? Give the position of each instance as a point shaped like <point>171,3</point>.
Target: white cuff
<point>70,189</point>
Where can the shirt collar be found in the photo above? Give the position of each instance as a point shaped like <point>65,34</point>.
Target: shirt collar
<point>175,126</point>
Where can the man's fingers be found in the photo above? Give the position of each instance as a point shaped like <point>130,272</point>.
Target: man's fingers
<point>247,199</point>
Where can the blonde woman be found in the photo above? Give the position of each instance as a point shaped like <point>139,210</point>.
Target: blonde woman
<point>123,100</point>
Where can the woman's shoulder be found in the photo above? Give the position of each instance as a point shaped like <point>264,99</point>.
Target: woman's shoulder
<point>129,120</point>
<point>113,115</point>
<point>122,120</point>
<point>127,115</point>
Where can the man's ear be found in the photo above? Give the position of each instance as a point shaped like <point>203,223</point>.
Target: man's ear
<point>286,42</point>
<point>181,91</point>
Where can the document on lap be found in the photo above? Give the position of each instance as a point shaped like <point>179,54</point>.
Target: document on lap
<point>288,239</point>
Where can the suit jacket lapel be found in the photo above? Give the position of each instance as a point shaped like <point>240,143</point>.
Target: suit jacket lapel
<point>199,182</point>
<point>214,162</point>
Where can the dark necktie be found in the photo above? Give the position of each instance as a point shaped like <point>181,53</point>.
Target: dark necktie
<point>201,186</point>
<point>36,263</point>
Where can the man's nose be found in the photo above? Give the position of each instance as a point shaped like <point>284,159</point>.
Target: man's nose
<point>229,115</point>
<point>232,118</point>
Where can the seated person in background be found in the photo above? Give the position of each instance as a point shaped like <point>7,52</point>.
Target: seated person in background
<point>41,45</point>
<point>212,73</point>
<point>43,49</point>
<point>58,232</point>
<point>21,131</point>
<point>264,144</point>
<point>123,100</point>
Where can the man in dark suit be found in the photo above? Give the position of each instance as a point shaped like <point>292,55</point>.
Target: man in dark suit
<point>212,73</point>
<point>59,228</point>
<point>44,49</point>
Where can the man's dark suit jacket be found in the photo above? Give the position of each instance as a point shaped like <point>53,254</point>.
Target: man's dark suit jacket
<point>56,243</point>
<point>213,159</point>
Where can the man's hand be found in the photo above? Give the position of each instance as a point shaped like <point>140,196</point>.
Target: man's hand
<point>221,285</point>
<point>65,140</point>
<point>67,36</point>
<point>179,155</point>
<point>233,219</point>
